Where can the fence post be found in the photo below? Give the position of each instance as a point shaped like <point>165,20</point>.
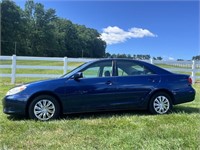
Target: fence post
<point>151,61</point>
<point>13,69</point>
<point>193,71</point>
<point>65,65</point>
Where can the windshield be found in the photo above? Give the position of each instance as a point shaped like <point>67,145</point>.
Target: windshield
<point>72,72</point>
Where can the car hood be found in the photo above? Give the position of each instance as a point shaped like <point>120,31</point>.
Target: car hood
<point>46,82</point>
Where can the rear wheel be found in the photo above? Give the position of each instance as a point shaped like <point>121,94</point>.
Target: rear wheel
<point>160,103</point>
<point>44,108</point>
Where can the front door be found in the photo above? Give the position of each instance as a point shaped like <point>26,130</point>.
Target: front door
<point>94,91</point>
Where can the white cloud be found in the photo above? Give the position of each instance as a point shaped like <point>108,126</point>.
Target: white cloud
<point>171,58</point>
<point>114,35</point>
<point>168,58</point>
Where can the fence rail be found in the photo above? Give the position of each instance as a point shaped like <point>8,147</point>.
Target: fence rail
<point>183,66</point>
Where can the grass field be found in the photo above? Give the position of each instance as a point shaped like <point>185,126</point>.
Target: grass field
<point>112,130</point>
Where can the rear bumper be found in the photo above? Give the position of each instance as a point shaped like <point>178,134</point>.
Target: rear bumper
<point>184,96</point>
<point>14,105</point>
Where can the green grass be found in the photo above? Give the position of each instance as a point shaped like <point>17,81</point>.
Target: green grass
<point>112,130</point>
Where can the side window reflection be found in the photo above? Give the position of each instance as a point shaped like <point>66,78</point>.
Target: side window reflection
<point>102,69</point>
<point>127,68</point>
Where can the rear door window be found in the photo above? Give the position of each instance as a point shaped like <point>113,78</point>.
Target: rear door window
<point>130,68</point>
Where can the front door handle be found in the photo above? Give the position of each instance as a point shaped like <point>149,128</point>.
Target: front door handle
<point>109,83</point>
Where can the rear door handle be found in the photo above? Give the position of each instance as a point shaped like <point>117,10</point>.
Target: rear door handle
<point>109,83</point>
<point>151,80</point>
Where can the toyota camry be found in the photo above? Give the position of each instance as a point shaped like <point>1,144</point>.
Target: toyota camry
<point>101,85</point>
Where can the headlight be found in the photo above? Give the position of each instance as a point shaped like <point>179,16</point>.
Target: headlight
<point>16,90</point>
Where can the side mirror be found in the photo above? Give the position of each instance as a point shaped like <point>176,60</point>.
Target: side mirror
<point>78,75</point>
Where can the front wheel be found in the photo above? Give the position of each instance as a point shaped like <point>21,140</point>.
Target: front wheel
<point>160,103</point>
<point>44,108</point>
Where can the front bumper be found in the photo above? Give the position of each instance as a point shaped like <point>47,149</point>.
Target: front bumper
<point>14,105</point>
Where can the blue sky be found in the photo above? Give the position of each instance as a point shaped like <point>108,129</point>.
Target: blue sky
<point>169,29</point>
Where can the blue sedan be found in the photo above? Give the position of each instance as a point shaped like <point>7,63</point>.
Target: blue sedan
<point>102,85</point>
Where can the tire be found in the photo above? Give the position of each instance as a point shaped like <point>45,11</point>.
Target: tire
<point>160,103</point>
<point>44,108</point>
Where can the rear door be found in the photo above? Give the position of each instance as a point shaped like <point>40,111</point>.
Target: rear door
<point>134,81</point>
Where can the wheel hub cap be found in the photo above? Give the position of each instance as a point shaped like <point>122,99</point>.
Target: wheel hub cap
<point>44,109</point>
<point>161,104</point>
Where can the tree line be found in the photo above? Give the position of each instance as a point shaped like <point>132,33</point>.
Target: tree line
<point>142,57</point>
<point>36,31</point>
<point>138,56</point>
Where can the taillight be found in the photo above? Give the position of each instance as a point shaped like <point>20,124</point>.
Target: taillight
<point>190,80</point>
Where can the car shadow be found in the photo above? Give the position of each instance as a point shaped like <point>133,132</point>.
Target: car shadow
<point>107,114</point>
<point>185,109</point>
<point>110,114</point>
<point>94,115</point>
<point>16,117</point>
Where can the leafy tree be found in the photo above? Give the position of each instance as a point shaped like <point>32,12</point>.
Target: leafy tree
<point>134,56</point>
<point>39,32</point>
<point>196,57</point>
<point>180,60</point>
<point>90,42</point>
<point>157,58</point>
<point>107,55</point>
<point>11,25</point>
<point>43,39</point>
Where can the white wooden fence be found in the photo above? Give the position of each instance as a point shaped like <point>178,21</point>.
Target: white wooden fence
<point>14,66</point>
<point>183,66</point>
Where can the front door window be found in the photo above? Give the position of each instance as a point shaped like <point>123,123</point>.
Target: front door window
<point>99,69</point>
